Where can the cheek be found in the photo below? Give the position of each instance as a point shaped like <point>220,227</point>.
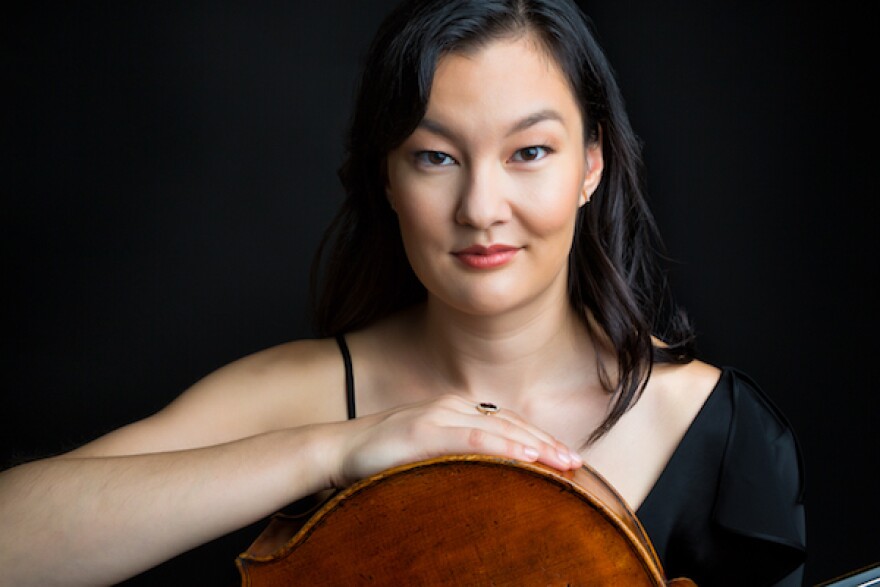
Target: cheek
<point>424,214</point>
<point>420,215</point>
<point>423,203</point>
<point>552,204</point>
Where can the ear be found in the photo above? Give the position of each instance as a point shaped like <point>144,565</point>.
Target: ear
<point>594,164</point>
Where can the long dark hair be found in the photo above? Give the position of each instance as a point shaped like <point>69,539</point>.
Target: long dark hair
<point>361,273</point>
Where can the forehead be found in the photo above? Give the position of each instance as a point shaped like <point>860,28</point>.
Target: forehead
<point>498,83</point>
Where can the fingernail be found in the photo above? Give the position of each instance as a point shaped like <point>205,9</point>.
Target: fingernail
<point>563,456</point>
<point>531,453</point>
<point>576,459</point>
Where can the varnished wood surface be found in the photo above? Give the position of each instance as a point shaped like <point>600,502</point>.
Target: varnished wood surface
<point>461,520</point>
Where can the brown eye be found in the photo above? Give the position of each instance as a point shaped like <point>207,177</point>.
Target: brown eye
<point>531,153</point>
<point>434,158</point>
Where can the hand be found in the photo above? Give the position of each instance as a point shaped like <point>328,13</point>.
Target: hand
<point>446,425</point>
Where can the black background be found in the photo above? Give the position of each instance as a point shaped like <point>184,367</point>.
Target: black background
<point>168,169</point>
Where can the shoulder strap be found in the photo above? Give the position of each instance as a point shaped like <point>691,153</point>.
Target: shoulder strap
<point>349,375</point>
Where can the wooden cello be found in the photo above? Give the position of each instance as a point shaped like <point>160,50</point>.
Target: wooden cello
<point>462,520</point>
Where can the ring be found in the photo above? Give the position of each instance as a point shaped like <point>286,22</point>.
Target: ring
<point>487,408</point>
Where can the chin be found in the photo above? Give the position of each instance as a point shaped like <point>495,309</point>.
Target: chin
<point>489,295</point>
<point>486,303</point>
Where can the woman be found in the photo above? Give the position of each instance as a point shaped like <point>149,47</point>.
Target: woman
<point>495,246</point>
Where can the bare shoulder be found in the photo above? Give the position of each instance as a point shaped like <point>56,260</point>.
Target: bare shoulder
<point>285,386</point>
<point>387,364</point>
<point>636,450</point>
<point>288,385</point>
<point>678,392</point>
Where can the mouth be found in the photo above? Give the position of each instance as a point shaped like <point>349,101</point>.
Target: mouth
<point>480,257</point>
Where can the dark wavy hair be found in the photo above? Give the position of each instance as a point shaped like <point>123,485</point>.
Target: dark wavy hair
<point>616,282</point>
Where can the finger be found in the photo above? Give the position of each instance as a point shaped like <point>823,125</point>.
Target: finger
<point>471,408</point>
<point>529,442</point>
<point>525,442</point>
<point>516,446</point>
<point>507,423</point>
<point>540,433</point>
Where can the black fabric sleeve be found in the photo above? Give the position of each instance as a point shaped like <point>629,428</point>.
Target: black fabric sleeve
<point>728,510</point>
<point>761,490</point>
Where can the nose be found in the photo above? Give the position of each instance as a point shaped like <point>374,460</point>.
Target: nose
<point>482,203</point>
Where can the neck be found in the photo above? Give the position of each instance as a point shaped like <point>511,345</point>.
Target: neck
<point>508,356</point>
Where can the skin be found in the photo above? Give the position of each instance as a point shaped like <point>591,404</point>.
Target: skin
<point>271,427</point>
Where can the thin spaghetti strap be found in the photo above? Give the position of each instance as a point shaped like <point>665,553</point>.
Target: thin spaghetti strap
<point>349,375</point>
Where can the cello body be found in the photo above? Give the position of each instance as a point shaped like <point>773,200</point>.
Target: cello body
<point>461,520</point>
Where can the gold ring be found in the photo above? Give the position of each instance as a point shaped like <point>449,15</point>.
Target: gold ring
<point>487,408</point>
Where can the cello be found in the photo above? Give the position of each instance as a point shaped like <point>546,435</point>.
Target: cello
<point>461,520</point>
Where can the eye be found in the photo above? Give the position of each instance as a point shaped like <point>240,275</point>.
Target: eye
<point>434,158</point>
<point>533,153</point>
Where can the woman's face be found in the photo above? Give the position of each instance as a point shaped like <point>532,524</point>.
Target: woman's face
<point>488,187</point>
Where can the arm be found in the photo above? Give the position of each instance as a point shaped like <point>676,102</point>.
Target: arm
<point>215,459</point>
<point>103,519</point>
<point>237,446</point>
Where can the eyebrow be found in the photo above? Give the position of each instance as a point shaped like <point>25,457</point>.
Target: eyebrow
<point>533,119</point>
<point>520,125</point>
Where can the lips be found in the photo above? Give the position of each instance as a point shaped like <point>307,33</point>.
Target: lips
<point>481,257</point>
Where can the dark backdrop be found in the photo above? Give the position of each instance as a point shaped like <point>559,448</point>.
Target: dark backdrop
<point>167,169</point>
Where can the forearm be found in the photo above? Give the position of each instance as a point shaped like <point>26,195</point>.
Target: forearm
<point>98,520</point>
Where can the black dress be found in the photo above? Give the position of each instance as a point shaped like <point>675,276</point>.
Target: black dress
<point>728,508</point>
